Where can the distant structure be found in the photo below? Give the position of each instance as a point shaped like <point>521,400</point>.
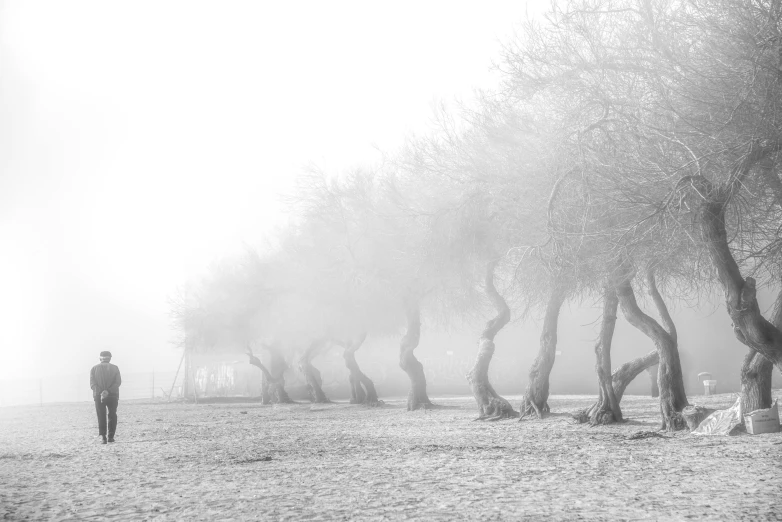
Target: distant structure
<point>222,372</point>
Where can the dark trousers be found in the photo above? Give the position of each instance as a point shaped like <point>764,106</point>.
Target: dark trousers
<point>110,405</point>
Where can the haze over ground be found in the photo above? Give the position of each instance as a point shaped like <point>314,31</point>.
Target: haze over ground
<point>139,142</point>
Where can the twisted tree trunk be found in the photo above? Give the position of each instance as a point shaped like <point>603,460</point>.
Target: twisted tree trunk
<point>749,325</point>
<point>417,397</point>
<point>757,370</point>
<point>312,374</point>
<point>272,379</point>
<point>266,379</point>
<point>621,378</point>
<point>669,376</point>
<point>536,394</point>
<point>606,410</point>
<point>362,389</point>
<point>626,373</point>
<point>277,368</point>
<point>490,404</point>
<point>756,373</point>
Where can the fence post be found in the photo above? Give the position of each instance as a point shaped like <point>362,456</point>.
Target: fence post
<point>177,375</point>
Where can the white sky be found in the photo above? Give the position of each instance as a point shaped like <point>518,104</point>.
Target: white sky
<point>139,141</point>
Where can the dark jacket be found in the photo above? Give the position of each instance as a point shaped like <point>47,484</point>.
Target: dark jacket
<point>105,376</point>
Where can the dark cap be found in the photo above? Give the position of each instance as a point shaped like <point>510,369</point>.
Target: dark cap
<point>105,353</point>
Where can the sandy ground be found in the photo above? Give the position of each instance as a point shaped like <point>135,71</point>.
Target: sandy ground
<point>245,461</point>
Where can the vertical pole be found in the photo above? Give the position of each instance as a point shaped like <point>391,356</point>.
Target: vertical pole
<point>192,377</point>
<point>153,383</point>
<point>40,392</point>
<point>185,380</point>
<point>177,375</point>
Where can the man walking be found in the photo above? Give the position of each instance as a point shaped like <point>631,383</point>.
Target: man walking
<point>105,381</point>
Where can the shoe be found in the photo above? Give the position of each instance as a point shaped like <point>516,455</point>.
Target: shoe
<point>103,439</point>
<point>111,438</point>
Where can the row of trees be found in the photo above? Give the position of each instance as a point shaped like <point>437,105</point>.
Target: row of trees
<point>631,148</point>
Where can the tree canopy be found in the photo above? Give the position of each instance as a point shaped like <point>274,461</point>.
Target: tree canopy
<point>631,147</point>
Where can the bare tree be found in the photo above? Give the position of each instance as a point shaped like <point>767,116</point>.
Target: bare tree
<point>606,410</point>
<point>362,389</point>
<point>673,398</point>
<point>311,374</point>
<point>537,392</point>
<point>273,378</point>
<point>417,397</point>
<point>490,404</point>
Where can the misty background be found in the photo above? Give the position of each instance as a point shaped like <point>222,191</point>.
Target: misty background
<point>141,142</point>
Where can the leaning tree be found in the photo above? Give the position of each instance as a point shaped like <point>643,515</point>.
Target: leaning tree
<point>718,66</point>
<point>705,118</point>
<point>372,264</point>
<point>592,67</point>
<point>340,294</point>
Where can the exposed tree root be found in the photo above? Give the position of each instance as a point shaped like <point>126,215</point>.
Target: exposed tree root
<point>362,389</point>
<point>529,407</point>
<point>595,416</point>
<point>497,409</point>
<point>669,377</point>
<point>513,414</point>
<point>491,405</point>
<point>606,410</point>
<point>537,392</point>
<point>620,379</point>
<point>415,402</point>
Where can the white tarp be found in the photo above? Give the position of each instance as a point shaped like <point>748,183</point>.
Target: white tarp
<point>721,422</point>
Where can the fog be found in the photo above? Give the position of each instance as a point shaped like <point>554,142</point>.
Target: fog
<point>142,142</point>
<point>706,344</point>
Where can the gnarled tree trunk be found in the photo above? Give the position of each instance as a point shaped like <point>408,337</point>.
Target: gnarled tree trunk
<point>756,373</point>
<point>537,391</point>
<point>267,380</point>
<point>757,370</point>
<point>673,398</point>
<point>625,374</point>
<point>277,367</point>
<point>312,374</point>
<point>417,397</point>
<point>362,389</point>
<point>490,404</point>
<point>606,410</point>
<point>749,325</point>
<point>272,378</point>
<point>622,377</point>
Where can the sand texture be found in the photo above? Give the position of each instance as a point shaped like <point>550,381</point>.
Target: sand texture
<point>246,461</point>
